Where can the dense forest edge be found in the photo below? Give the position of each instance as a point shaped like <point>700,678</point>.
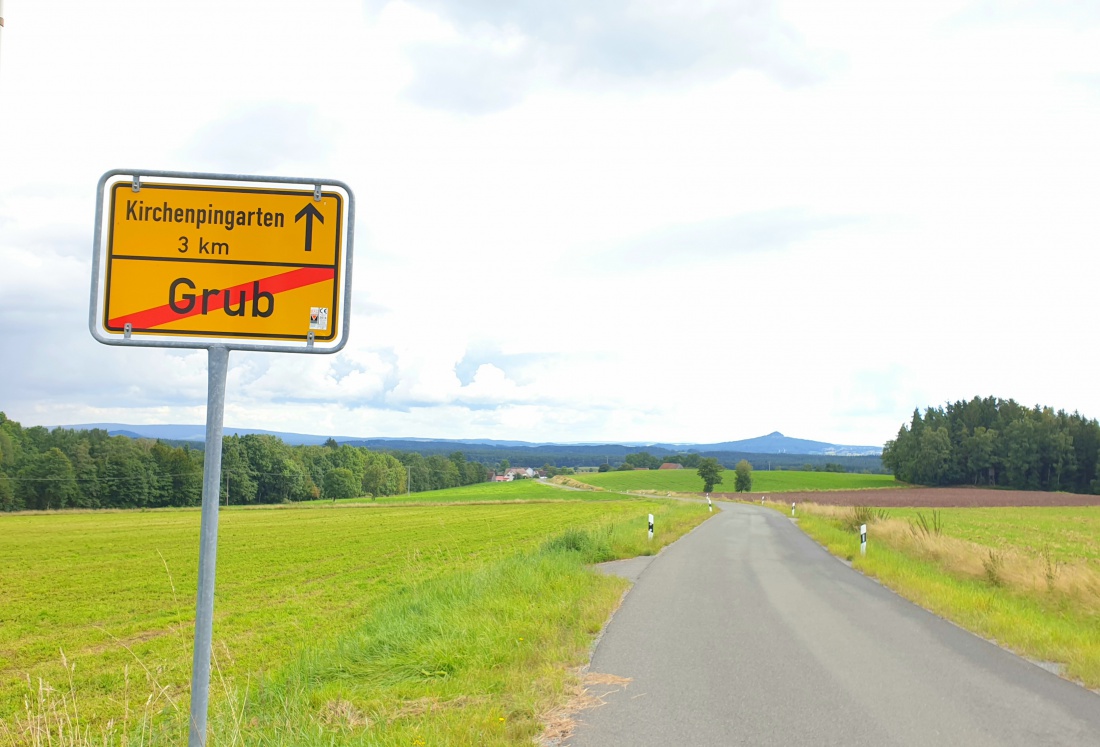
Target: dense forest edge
<point>997,443</point>
<point>43,469</point>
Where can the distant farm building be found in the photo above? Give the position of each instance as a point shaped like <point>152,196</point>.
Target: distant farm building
<point>671,465</point>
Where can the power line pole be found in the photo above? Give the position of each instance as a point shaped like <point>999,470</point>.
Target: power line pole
<point>1,18</point>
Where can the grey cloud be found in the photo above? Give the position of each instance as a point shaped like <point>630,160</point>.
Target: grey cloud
<point>601,43</point>
<point>259,139</point>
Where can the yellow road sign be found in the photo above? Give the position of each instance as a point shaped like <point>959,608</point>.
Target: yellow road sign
<point>244,261</point>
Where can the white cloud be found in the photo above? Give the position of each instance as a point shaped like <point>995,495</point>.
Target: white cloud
<point>633,221</point>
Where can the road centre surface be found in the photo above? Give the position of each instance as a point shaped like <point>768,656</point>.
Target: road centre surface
<point>746,632</point>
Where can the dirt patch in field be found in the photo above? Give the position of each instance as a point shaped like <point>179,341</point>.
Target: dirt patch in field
<point>924,498</point>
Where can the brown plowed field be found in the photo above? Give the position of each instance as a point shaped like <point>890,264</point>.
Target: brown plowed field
<point>925,497</point>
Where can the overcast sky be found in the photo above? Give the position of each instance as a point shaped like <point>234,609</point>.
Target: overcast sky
<point>584,220</point>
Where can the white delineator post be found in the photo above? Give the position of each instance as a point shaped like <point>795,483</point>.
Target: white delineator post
<point>710,506</point>
<point>792,509</point>
<point>862,539</point>
<point>651,526</point>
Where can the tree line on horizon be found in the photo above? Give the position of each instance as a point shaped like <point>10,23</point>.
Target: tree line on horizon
<point>616,455</point>
<point>997,443</point>
<point>692,460</point>
<point>43,469</point>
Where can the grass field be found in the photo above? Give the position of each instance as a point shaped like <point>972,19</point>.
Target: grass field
<point>1065,534</point>
<point>98,612</point>
<point>687,481</point>
<point>1028,578</point>
<point>517,490</point>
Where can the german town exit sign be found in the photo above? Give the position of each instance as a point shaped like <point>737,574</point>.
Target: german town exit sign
<point>194,260</point>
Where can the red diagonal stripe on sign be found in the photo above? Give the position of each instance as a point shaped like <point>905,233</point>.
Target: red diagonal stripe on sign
<point>286,281</point>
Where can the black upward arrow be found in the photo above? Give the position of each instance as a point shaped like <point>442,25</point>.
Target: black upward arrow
<point>309,213</point>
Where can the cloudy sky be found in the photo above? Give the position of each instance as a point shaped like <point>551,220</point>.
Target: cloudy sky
<point>584,221</point>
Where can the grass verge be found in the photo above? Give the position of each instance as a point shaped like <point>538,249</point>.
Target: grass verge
<point>1043,609</point>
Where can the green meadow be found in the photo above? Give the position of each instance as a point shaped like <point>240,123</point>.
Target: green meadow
<point>1065,534</point>
<point>517,490</point>
<point>1028,578</point>
<point>346,623</point>
<point>688,481</point>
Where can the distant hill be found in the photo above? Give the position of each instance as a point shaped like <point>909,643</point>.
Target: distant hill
<point>782,449</point>
<point>192,432</point>
<point>772,443</point>
<point>777,443</point>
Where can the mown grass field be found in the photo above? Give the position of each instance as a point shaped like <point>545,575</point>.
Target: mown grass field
<point>517,490</point>
<point>688,481</point>
<point>320,611</point>
<point>1028,578</point>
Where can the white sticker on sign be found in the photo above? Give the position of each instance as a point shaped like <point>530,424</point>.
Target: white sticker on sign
<point>318,317</point>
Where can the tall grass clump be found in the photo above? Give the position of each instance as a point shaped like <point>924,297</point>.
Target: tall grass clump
<point>860,515</point>
<point>53,716</point>
<point>922,526</point>
<point>592,545</point>
<point>994,564</point>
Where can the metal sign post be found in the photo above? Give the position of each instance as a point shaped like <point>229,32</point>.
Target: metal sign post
<point>221,262</point>
<point>217,369</point>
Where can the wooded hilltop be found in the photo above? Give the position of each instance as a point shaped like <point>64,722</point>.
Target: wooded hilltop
<point>997,442</point>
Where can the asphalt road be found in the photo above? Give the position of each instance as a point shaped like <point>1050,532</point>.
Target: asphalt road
<point>746,632</point>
